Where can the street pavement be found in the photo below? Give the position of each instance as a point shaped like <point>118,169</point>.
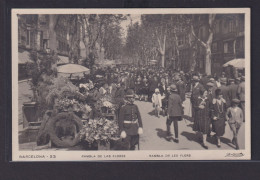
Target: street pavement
<point>154,137</point>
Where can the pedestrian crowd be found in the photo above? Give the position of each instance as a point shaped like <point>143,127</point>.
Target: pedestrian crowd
<point>214,100</point>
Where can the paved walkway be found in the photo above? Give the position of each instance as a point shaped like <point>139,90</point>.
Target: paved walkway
<point>154,137</point>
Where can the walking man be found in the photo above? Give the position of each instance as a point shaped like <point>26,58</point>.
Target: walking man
<point>175,111</point>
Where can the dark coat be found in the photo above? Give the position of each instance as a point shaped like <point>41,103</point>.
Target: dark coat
<point>195,93</point>
<point>232,92</point>
<point>175,105</point>
<point>119,96</point>
<point>225,92</point>
<point>152,85</point>
<point>241,91</point>
<point>131,113</point>
<point>202,118</point>
<point>162,89</point>
<point>204,80</point>
<point>219,111</point>
<point>181,89</point>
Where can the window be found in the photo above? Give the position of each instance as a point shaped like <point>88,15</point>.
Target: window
<point>27,37</point>
<point>231,26</point>
<point>228,47</point>
<point>217,28</point>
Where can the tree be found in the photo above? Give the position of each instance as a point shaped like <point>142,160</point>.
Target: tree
<point>206,44</point>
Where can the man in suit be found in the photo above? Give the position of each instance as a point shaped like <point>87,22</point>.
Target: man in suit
<point>241,94</point>
<point>181,87</point>
<point>130,121</point>
<point>211,91</point>
<point>232,93</point>
<point>195,93</point>
<point>174,111</point>
<point>225,91</point>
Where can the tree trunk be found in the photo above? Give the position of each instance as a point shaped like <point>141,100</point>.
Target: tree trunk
<point>208,61</point>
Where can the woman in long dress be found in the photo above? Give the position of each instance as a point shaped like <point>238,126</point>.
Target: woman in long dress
<point>202,122</point>
<point>218,115</point>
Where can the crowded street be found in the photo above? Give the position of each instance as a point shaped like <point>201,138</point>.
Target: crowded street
<point>154,136</point>
<point>116,88</point>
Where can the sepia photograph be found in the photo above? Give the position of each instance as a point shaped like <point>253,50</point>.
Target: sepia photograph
<point>131,84</point>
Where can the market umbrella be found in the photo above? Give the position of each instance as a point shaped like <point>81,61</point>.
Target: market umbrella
<point>72,69</point>
<point>237,63</point>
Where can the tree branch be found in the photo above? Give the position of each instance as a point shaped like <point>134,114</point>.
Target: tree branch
<point>200,41</point>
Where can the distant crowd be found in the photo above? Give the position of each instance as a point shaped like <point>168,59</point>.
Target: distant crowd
<point>215,100</point>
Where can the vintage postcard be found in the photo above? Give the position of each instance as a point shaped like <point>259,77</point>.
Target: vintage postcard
<point>131,84</point>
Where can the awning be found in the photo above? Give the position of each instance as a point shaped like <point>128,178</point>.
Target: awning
<point>237,63</point>
<point>63,60</point>
<point>24,57</point>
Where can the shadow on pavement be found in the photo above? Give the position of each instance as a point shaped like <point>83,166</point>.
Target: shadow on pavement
<point>152,113</point>
<point>191,136</point>
<point>188,118</point>
<point>224,140</point>
<point>162,134</point>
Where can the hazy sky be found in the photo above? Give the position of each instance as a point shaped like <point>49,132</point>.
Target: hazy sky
<point>126,23</point>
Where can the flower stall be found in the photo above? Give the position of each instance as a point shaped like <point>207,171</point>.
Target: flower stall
<point>76,116</point>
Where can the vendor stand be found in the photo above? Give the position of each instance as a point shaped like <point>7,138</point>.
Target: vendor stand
<point>235,66</point>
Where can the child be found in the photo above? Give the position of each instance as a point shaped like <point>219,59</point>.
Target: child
<point>157,102</point>
<point>235,118</point>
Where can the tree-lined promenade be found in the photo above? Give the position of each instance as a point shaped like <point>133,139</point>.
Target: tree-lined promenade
<point>186,42</point>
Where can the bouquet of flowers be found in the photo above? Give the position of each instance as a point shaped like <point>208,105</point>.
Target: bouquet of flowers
<point>87,86</point>
<point>100,130</point>
<point>65,104</point>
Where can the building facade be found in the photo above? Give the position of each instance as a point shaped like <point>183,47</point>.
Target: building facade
<point>227,44</point>
<point>45,33</point>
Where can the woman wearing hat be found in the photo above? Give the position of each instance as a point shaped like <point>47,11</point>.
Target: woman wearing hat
<point>218,115</point>
<point>202,121</point>
<point>130,121</point>
<point>174,112</point>
<point>235,118</point>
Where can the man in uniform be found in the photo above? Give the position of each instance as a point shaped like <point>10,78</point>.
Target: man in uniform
<point>130,121</point>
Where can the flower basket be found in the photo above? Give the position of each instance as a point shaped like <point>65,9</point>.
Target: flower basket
<point>100,131</point>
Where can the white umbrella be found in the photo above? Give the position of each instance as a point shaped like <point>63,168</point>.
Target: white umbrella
<point>237,63</point>
<point>72,69</point>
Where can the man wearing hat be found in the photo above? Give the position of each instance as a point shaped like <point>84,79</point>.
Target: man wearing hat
<point>130,121</point>
<point>174,112</point>
<point>211,91</point>
<point>195,92</point>
<point>234,116</point>
<point>225,90</point>
<point>181,87</point>
<point>241,94</point>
